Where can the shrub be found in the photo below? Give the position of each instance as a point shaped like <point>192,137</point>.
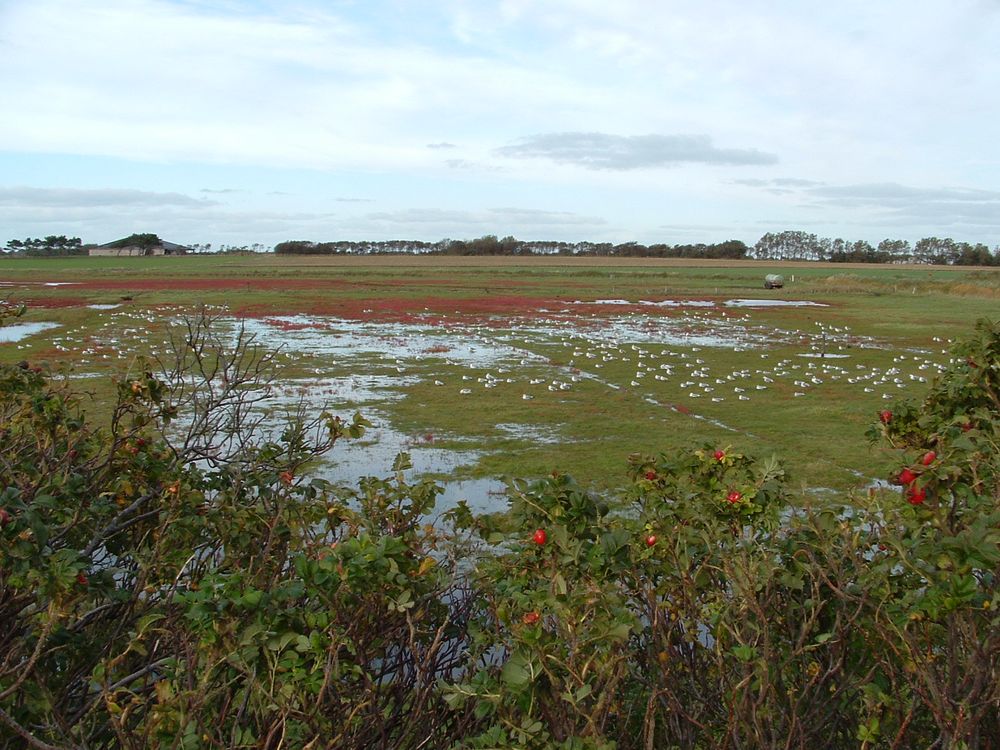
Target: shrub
<point>174,580</point>
<point>178,579</point>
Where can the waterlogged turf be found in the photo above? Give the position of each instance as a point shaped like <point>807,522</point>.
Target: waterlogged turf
<point>486,368</point>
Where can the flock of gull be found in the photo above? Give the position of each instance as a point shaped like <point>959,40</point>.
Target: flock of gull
<point>647,354</point>
<point>645,362</point>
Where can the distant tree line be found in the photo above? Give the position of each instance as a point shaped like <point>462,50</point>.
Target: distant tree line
<point>787,245</point>
<point>52,245</point>
<point>491,245</point>
<point>798,245</point>
<point>199,248</point>
<point>353,247</point>
<point>62,245</point>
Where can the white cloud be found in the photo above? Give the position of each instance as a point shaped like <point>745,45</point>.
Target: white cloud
<point>893,204</point>
<point>61,198</point>
<point>524,217</point>
<point>432,224</point>
<point>319,87</point>
<point>149,79</point>
<point>434,104</point>
<point>101,215</point>
<point>608,151</point>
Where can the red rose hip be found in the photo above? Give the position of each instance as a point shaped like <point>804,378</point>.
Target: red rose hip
<point>539,537</point>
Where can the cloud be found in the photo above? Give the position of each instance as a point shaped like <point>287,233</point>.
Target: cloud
<point>891,194</point>
<point>467,164</point>
<point>390,99</point>
<point>100,215</point>
<point>221,191</point>
<point>779,182</point>
<point>794,182</point>
<point>542,217</point>
<point>488,217</point>
<point>892,203</point>
<point>243,227</point>
<point>308,84</point>
<point>30,197</point>
<point>697,228</point>
<point>435,223</point>
<point>620,152</point>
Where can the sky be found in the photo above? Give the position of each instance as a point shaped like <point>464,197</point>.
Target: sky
<point>236,122</point>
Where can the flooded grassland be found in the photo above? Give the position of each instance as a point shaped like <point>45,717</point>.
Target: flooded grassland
<point>478,386</point>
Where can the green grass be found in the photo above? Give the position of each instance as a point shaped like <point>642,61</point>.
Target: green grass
<point>588,430</point>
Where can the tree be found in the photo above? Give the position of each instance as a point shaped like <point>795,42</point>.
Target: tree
<point>734,249</point>
<point>145,242</point>
<point>936,250</point>
<point>862,252</point>
<point>788,245</point>
<point>510,245</point>
<point>974,255</point>
<point>836,250</point>
<point>51,245</point>
<point>897,251</point>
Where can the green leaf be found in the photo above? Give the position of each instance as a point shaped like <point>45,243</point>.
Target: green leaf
<point>620,631</point>
<point>560,583</point>
<point>146,620</point>
<point>517,671</point>
<point>278,643</point>
<point>869,732</point>
<point>404,601</point>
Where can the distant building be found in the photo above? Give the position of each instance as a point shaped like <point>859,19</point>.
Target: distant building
<point>140,244</point>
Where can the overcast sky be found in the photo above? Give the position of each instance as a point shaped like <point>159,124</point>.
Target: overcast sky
<point>238,122</point>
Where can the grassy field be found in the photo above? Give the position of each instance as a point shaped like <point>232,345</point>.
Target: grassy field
<point>556,379</point>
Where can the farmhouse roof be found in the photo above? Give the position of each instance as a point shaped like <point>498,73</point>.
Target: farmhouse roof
<point>174,247</point>
<point>171,246</point>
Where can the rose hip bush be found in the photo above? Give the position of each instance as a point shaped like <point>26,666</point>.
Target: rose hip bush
<point>179,578</point>
<point>706,606</point>
<point>176,579</point>
<point>551,641</point>
<point>937,635</point>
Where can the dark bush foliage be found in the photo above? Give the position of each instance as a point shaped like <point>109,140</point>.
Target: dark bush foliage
<point>177,579</point>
